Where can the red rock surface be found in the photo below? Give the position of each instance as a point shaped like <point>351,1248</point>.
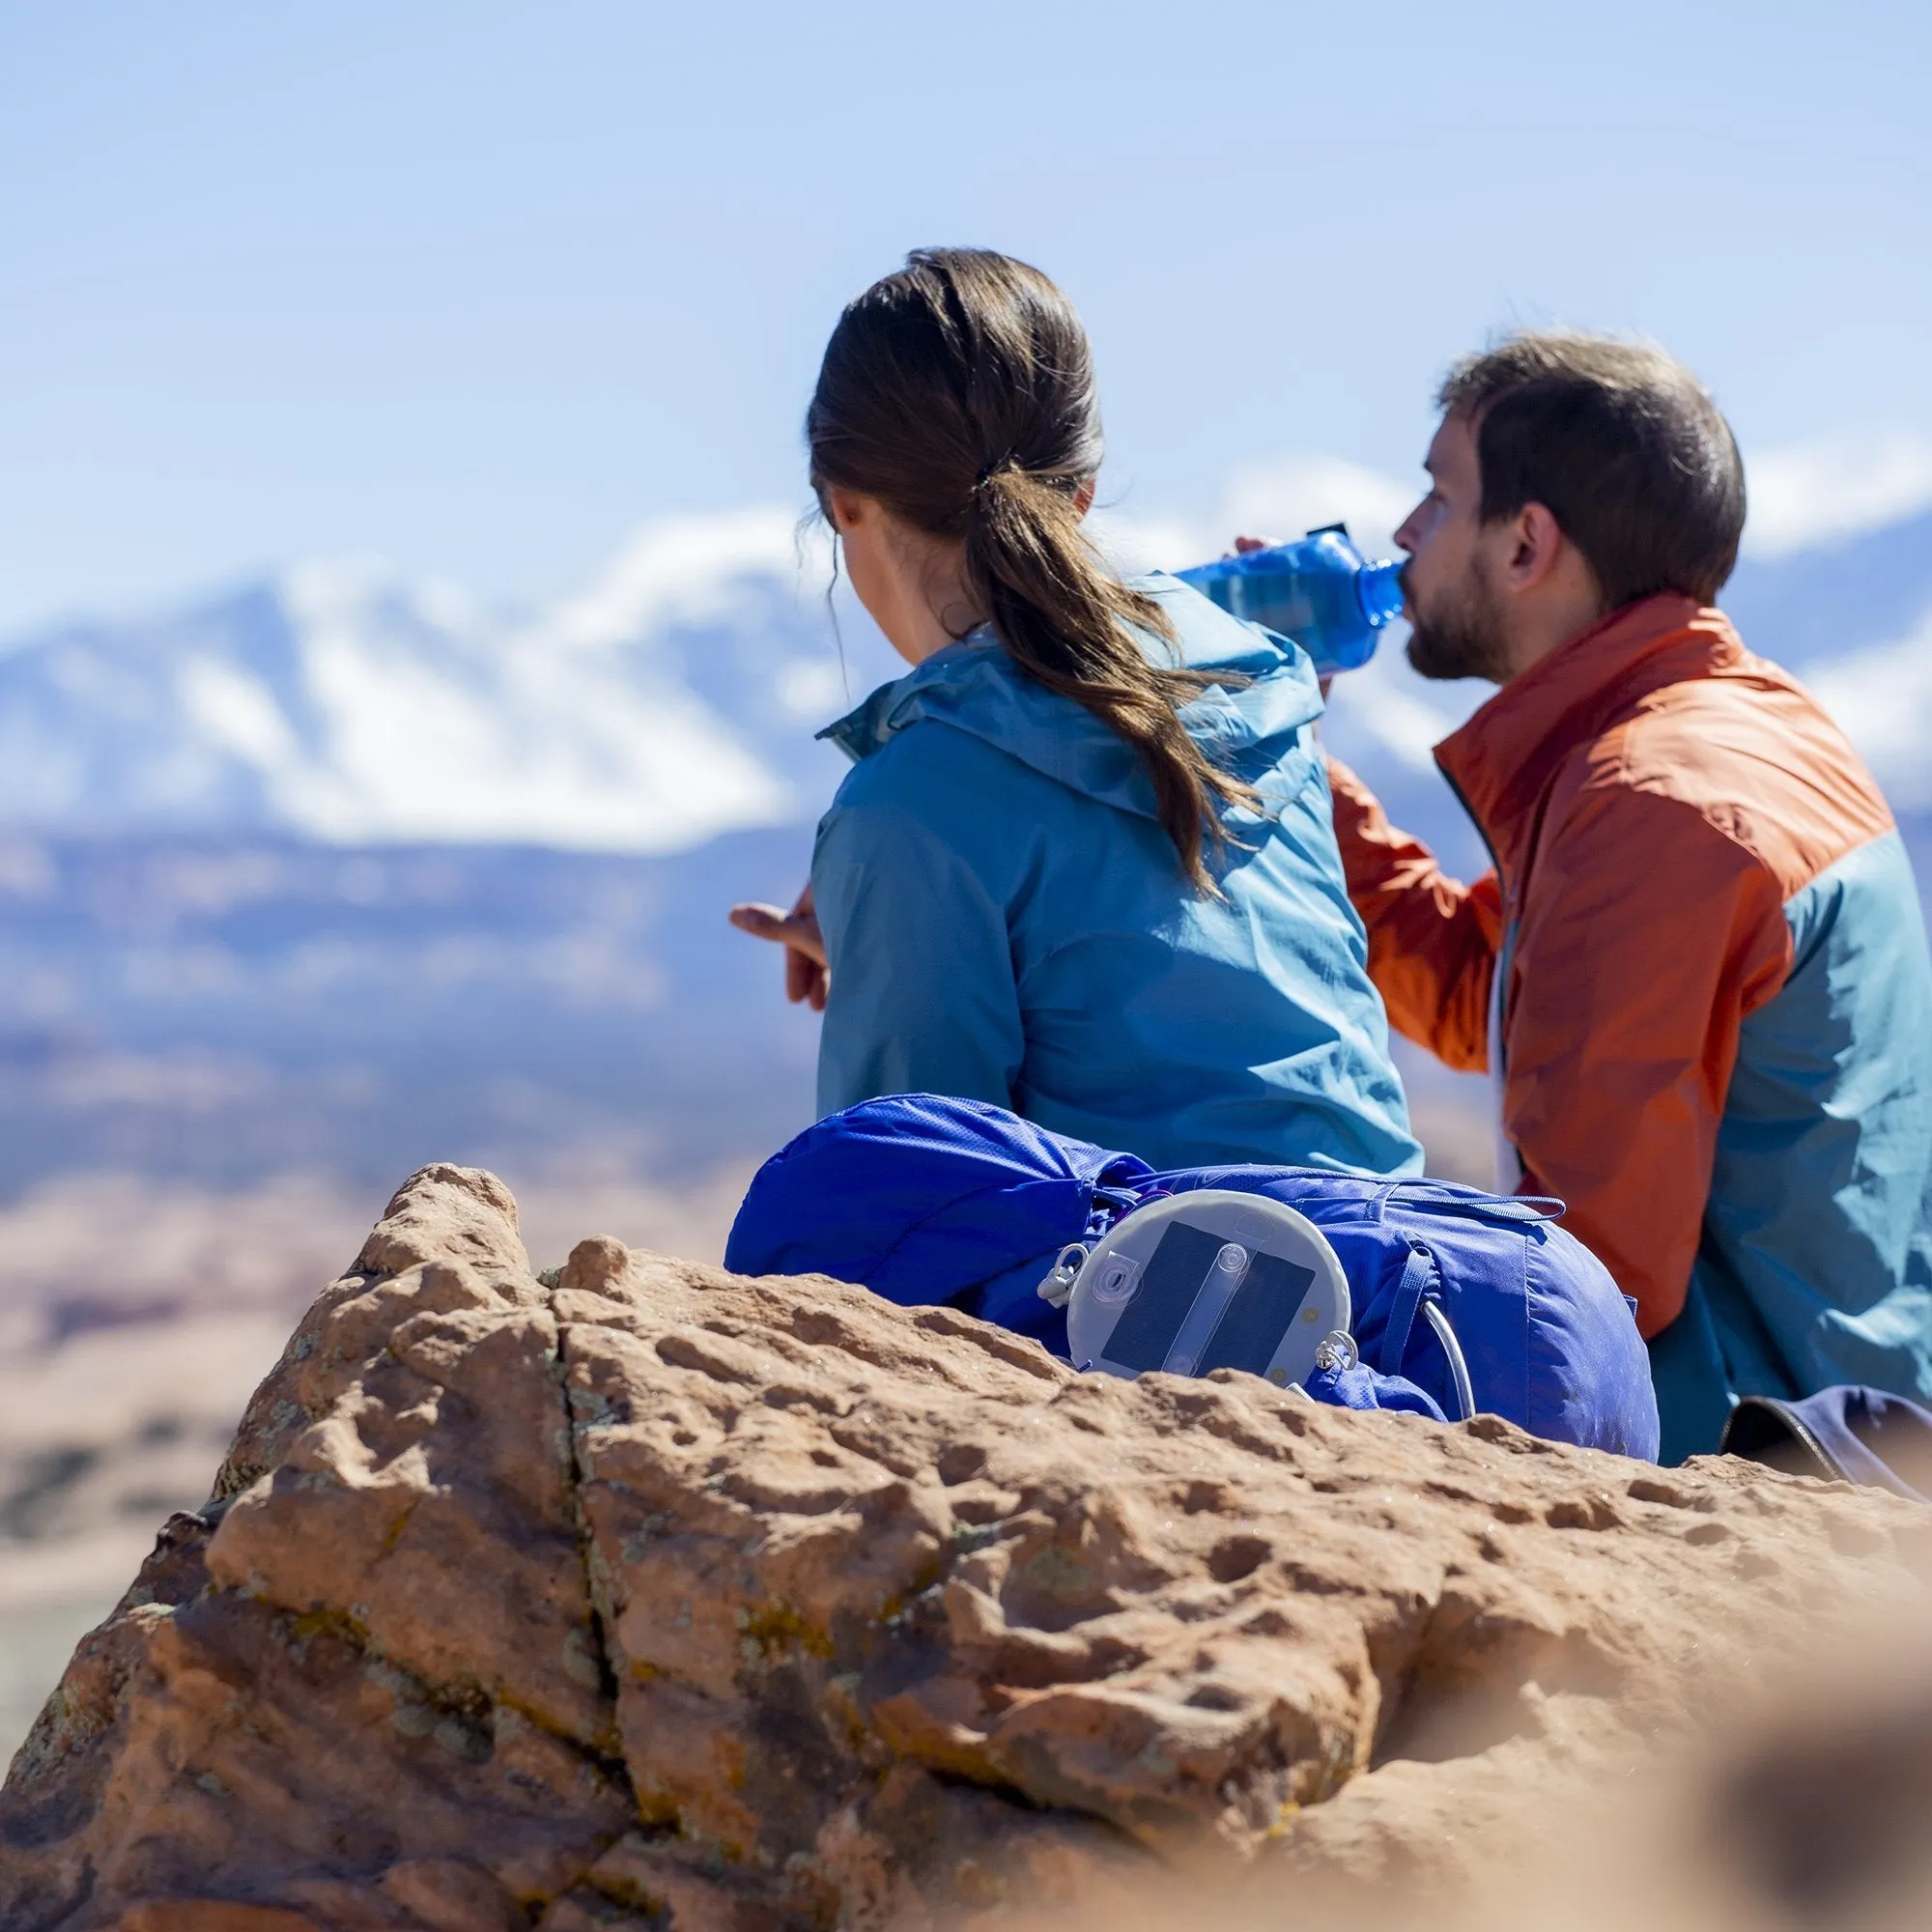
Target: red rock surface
<point>665,1593</point>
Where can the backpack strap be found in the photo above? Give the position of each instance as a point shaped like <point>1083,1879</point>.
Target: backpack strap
<point>1420,1289</point>
<point>1409,1291</point>
<point>1383,1196</point>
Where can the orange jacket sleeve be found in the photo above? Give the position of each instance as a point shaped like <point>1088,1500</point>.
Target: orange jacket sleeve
<point>1647,936</point>
<point>1432,939</point>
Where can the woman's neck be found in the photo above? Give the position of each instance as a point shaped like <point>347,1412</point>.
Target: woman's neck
<point>913,585</point>
<point>934,609</point>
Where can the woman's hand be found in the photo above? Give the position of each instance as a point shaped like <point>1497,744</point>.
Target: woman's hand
<point>807,979</point>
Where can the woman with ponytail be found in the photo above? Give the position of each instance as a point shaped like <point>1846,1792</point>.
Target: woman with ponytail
<point>1083,865</point>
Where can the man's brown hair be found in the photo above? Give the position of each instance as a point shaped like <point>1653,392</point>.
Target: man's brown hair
<point>1621,444</point>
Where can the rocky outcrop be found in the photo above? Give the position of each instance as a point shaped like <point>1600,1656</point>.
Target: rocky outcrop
<point>662,1595</point>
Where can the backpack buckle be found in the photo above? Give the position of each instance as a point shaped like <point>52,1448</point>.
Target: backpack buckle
<point>1055,1287</point>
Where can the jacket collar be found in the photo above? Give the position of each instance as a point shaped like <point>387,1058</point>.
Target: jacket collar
<point>867,726</point>
<point>1502,760</point>
<point>1248,721</point>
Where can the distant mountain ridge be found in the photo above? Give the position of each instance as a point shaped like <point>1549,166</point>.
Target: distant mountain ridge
<point>669,703</point>
<point>675,697</point>
<point>221,1010</point>
<point>340,873</point>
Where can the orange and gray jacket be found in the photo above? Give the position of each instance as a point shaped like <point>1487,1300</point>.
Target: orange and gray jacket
<point>1705,946</point>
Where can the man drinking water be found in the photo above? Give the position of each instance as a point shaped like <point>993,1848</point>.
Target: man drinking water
<point>1698,970</point>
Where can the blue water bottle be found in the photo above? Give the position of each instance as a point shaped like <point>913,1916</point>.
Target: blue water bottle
<point>1322,591</point>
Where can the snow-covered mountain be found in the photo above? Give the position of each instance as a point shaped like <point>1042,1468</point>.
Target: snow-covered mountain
<point>675,697</point>
<point>338,871</point>
<point>670,700</point>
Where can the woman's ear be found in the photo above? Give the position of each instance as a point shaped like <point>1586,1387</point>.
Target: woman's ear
<point>845,509</point>
<point>1083,498</point>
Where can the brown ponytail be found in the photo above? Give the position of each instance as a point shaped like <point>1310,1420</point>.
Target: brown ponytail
<point>959,393</point>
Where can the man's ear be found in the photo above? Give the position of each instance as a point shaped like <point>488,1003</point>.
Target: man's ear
<point>1536,548</point>
<point>1083,498</point>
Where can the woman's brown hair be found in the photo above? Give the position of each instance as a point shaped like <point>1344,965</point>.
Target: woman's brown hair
<point>959,394</point>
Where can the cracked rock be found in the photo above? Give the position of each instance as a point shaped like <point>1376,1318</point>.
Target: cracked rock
<point>666,1598</point>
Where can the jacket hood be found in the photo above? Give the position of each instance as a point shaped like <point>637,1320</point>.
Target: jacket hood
<point>974,687</point>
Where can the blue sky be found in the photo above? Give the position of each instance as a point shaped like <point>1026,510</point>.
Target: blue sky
<point>481,288</point>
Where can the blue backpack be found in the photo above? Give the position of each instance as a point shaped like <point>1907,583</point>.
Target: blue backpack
<point>925,1199</point>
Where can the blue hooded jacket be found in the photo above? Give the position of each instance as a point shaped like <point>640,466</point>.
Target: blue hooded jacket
<point>1007,921</point>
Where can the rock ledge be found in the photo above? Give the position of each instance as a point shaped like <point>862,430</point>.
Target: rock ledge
<point>666,1597</point>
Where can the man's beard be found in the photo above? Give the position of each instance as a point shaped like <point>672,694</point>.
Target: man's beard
<point>1461,637</point>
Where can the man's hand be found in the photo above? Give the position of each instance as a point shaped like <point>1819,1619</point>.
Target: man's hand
<point>807,979</point>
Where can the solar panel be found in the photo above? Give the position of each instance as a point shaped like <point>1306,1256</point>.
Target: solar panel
<point>1213,1279</point>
